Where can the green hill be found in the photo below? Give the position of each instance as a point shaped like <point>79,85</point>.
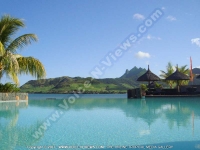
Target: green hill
<point>67,84</point>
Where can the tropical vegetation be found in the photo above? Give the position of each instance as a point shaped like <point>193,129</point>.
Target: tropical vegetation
<point>9,87</point>
<point>169,70</point>
<point>143,87</point>
<point>13,64</point>
<point>157,85</point>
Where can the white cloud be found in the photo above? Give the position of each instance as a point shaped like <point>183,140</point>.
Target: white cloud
<point>141,54</point>
<point>159,72</point>
<point>138,16</point>
<point>163,8</point>
<point>196,41</point>
<point>158,38</point>
<point>174,68</point>
<point>171,18</point>
<point>149,37</point>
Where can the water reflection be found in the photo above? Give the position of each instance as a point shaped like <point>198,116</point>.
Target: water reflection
<point>12,135</point>
<point>176,113</point>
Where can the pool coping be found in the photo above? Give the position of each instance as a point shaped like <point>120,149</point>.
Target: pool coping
<point>153,96</point>
<point>8,101</point>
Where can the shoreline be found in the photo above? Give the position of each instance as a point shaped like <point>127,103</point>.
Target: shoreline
<point>79,93</point>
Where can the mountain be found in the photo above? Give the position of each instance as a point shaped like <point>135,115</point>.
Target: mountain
<point>196,71</point>
<point>67,84</point>
<point>134,73</point>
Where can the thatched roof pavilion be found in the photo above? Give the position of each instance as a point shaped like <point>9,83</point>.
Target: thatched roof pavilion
<point>148,76</point>
<point>177,75</point>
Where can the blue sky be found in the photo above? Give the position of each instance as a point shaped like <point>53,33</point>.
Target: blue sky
<point>75,36</point>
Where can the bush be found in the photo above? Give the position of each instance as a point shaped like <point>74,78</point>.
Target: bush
<point>143,87</point>
<point>157,85</point>
<point>8,87</point>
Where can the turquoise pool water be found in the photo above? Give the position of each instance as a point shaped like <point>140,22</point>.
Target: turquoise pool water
<point>99,122</point>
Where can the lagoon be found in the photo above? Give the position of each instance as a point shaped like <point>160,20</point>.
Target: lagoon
<point>99,121</point>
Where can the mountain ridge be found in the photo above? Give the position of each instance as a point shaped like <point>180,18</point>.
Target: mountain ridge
<point>66,84</point>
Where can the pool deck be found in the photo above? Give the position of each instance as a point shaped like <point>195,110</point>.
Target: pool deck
<point>136,93</point>
<point>190,95</point>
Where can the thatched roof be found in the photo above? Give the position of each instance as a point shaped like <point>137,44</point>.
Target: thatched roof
<point>148,76</point>
<point>178,76</point>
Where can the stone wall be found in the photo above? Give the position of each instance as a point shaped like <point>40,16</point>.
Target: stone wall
<point>13,106</point>
<point>13,96</point>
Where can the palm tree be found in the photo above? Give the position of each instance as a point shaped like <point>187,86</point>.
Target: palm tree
<point>11,63</point>
<point>170,69</point>
<point>185,71</point>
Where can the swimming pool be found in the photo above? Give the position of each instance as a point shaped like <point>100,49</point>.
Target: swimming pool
<point>99,122</point>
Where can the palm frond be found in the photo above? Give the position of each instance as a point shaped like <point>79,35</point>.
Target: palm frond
<point>2,50</point>
<point>11,63</point>
<point>21,41</point>
<point>30,65</point>
<point>13,75</point>
<point>8,27</point>
<point>170,70</point>
<point>183,69</point>
<point>163,74</point>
